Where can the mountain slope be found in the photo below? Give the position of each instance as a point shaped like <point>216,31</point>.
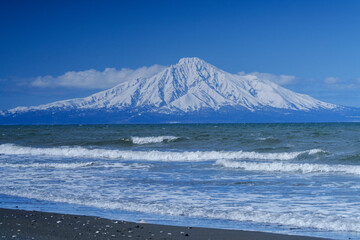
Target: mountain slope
<point>191,87</point>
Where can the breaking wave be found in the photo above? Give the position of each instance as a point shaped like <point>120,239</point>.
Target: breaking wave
<point>269,139</point>
<point>133,166</point>
<point>186,156</point>
<point>48,165</point>
<point>290,167</point>
<point>148,140</point>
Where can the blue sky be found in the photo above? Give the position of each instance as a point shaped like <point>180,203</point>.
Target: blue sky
<point>315,43</point>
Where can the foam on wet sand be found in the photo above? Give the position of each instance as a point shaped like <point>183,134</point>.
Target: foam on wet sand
<point>21,224</point>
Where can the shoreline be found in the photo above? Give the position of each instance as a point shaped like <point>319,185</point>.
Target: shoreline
<point>34,225</point>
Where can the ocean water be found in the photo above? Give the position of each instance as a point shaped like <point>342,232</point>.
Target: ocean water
<point>301,179</point>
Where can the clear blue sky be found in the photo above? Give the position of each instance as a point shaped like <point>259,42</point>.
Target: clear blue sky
<point>318,42</point>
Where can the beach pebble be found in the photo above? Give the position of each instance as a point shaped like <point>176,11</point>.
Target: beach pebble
<point>58,222</point>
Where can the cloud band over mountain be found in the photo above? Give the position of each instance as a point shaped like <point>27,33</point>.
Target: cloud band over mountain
<point>93,79</point>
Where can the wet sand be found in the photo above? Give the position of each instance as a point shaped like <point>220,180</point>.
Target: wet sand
<point>24,225</point>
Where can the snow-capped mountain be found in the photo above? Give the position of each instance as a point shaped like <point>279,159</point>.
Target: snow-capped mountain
<point>189,90</point>
<point>190,85</point>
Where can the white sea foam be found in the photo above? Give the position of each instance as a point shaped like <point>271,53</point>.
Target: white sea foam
<point>157,139</point>
<point>266,138</point>
<point>290,167</point>
<point>126,166</point>
<point>298,218</point>
<point>187,156</point>
<point>123,166</point>
<point>48,165</point>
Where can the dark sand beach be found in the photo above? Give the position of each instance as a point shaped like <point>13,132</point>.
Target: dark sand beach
<point>20,224</point>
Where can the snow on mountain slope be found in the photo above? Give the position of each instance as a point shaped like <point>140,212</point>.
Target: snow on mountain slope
<point>190,85</point>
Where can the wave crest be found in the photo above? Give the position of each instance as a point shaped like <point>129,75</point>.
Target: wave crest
<point>48,165</point>
<point>157,139</point>
<point>186,156</point>
<point>123,166</point>
<point>290,167</point>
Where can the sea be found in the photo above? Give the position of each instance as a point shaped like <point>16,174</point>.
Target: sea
<point>298,179</point>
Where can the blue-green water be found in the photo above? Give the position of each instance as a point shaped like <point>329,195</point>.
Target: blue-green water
<point>289,178</point>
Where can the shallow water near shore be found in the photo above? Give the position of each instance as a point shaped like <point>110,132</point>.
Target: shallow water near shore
<point>286,178</point>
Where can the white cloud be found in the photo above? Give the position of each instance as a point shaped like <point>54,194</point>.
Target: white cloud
<point>93,79</point>
<point>279,79</point>
<point>339,84</point>
<point>331,80</point>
